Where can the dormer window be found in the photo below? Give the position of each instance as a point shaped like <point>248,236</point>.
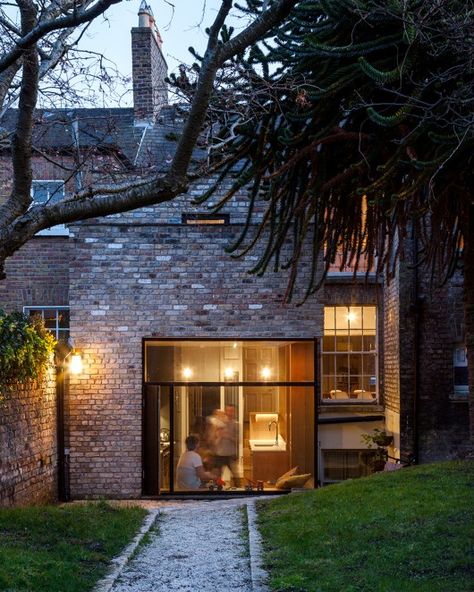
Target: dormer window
<point>49,192</point>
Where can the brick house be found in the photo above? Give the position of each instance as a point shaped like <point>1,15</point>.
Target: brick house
<point>171,329</point>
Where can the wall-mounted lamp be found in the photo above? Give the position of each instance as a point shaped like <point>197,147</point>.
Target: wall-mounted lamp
<point>266,372</point>
<point>187,372</point>
<point>229,373</point>
<point>75,363</point>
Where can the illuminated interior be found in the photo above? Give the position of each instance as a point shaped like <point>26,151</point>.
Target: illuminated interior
<point>249,403</point>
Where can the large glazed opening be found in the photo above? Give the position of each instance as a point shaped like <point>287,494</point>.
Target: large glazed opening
<point>241,412</point>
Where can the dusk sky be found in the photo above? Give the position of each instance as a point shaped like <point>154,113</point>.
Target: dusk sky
<point>179,30</point>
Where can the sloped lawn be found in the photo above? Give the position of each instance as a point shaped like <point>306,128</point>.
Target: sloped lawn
<point>407,531</point>
<point>62,549</point>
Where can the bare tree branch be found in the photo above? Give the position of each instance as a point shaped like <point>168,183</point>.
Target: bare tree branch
<point>78,17</point>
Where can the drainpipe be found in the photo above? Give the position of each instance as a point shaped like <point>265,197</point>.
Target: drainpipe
<point>61,387</point>
<point>417,303</point>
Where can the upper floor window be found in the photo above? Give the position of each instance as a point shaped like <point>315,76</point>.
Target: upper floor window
<point>56,319</point>
<point>349,354</point>
<point>46,191</point>
<point>461,378</point>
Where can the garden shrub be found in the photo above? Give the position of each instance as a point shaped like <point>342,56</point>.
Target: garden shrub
<point>26,347</point>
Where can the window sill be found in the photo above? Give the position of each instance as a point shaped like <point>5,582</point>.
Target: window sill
<point>459,397</point>
<point>59,230</point>
<point>351,407</point>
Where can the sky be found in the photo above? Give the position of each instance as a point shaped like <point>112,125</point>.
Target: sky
<point>180,28</point>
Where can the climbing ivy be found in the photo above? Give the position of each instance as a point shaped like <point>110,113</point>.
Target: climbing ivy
<point>25,349</point>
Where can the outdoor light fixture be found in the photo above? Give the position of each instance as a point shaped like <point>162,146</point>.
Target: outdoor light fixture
<point>266,372</point>
<point>75,363</point>
<point>187,372</point>
<point>234,345</point>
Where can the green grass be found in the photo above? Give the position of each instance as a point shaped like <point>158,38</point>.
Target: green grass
<point>406,531</point>
<point>62,548</point>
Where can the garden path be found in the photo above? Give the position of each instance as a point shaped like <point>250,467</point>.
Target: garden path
<point>194,546</point>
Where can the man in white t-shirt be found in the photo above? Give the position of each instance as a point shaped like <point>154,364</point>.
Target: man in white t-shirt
<point>190,472</point>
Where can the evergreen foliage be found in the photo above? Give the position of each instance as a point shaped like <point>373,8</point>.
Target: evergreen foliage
<point>360,125</point>
<point>26,347</point>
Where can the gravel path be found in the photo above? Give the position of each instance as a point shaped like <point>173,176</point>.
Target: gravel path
<point>198,546</point>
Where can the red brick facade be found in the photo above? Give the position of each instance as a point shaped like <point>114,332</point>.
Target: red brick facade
<point>28,458</point>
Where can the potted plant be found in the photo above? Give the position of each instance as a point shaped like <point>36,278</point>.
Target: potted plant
<point>381,440</point>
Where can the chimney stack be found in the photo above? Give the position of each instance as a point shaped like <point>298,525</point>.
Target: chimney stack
<point>149,68</point>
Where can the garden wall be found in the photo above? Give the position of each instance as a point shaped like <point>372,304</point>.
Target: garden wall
<point>28,451</point>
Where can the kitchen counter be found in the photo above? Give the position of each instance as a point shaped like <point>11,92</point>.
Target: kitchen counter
<point>268,445</point>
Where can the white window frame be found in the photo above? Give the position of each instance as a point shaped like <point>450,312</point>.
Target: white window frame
<point>460,361</point>
<point>349,400</point>
<point>40,309</point>
<point>59,229</point>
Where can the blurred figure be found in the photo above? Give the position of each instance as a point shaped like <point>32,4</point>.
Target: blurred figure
<point>226,440</point>
<point>190,471</point>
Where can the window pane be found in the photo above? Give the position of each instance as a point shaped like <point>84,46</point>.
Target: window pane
<point>355,364</point>
<point>369,317</point>
<point>342,322</point>
<point>369,342</point>
<point>461,377</point>
<point>328,364</point>
<point>328,343</point>
<point>342,342</point>
<point>329,384</point>
<point>63,318</point>
<point>63,335</point>
<point>356,343</point>
<point>329,318</point>
<point>224,361</point>
<point>50,318</point>
<point>355,317</point>
<point>345,464</point>
<point>369,364</point>
<point>40,193</point>
<point>355,384</point>
<point>342,365</point>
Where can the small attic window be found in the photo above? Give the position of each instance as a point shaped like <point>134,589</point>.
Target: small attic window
<point>205,219</point>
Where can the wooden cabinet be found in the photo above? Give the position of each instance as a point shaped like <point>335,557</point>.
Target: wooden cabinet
<point>261,400</point>
<point>269,465</point>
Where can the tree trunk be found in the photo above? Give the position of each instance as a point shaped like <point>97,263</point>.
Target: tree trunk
<point>468,256</point>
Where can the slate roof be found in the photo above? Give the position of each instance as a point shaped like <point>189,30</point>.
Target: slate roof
<point>106,129</point>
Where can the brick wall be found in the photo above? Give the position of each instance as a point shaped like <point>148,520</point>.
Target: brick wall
<point>128,282</point>
<point>38,274</point>
<point>28,459</point>
<point>442,416</point>
<point>421,327</point>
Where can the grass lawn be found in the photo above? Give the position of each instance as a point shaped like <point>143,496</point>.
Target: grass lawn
<point>405,531</point>
<point>62,549</point>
